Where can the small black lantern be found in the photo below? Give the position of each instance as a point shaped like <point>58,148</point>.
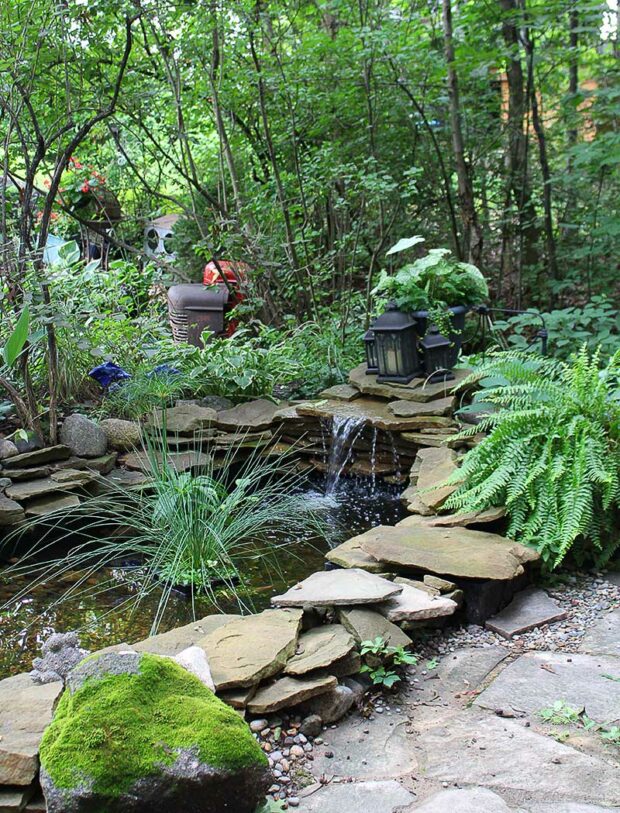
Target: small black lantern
<point>370,344</point>
<point>437,350</point>
<point>396,346</point>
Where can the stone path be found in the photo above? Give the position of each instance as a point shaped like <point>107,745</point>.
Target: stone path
<point>468,737</point>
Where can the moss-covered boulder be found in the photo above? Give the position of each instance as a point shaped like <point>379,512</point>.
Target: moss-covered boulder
<point>136,732</point>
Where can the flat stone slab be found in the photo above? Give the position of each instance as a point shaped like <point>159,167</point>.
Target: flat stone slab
<point>413,604</point>
<point>351,554</point>
<point>332,588</point>
<point>51,503</point>
<point>36,458</point>
<point>537,680</point>
<point>410,409</point>
<point>416,390</point>
<point>32,473</point>
<point>371,797</point>
<point>289,691</point>
<point>253,648</point>
<point>371,412</point>
<point>472,800</point>
<point>366,624</point>
<point>529,609</point>
<point>563,807</point>
<point>341,392</point>
<point>13,800</point>
<point>319,648</point>
<point>181,461</point>
<point>463,671</point>
<point>603,635</point>
<point>184,419</point>
<point>456,552</point>
<point>478,749</point>
<point>435,467</point>
<point>456,520</point>
<point>25,712</point>
<point>362,749</point>
<point>30,489</point>
<point>176,640</point>
<point>257,414</point>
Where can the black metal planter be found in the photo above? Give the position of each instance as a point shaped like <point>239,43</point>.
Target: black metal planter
<point>456,337</point>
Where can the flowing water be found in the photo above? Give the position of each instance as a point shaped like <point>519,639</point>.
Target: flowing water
<point>344,432</point>
<point>353,507</point>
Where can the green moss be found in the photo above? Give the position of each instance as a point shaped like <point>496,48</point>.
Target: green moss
<point>116,730</point>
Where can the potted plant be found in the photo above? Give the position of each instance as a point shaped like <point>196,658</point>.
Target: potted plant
<point>436,289</point>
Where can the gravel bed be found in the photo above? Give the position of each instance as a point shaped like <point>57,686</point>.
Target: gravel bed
<point>584,596</point>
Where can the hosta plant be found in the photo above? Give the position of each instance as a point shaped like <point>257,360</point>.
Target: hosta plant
<point>551,454</point>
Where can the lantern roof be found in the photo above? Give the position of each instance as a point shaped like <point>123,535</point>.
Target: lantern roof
<point>392,320</point>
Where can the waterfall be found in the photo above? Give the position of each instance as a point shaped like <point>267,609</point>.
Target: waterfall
<point>345,431</point>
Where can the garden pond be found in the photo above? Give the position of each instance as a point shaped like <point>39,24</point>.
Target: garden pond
<point>107,615</point>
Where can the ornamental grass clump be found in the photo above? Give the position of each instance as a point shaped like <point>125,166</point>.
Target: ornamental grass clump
<point>551,455</point>
<point>208,531</point>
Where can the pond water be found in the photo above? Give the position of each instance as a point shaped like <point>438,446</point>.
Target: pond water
<point>352,507</point>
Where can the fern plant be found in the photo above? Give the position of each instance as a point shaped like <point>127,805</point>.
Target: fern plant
<point>551,455</point>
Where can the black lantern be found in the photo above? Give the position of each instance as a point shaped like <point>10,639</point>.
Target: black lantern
<point>396,346</point>
<point>437,351</point>
<point>372,367</point>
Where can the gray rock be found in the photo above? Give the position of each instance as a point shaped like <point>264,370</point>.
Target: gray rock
<point>14,800</point>
<point>83,436</point>
<point>60,654</point>
<point>331,588</point>
<point>195,661</point>
<point>7,449</point>
<point>332,705</point>
<point>529,609</point>
<point>35,458</point>
<point>25,712</point>
<point>187,780</point>
<point>371,797</point>
<point>311,726</point>
<point>473,800</point>
<point>11,511</point>
<point>575,679</point>
<point>100,666</point>
<point>31,473</point>
<point>122,435</point>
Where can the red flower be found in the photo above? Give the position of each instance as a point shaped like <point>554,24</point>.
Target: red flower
<point>85,187</point>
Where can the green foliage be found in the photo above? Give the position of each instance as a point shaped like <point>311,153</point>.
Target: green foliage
<point>596,324</point>
<point>122,728</point>
<point>17,338</point>
<point>551,455</point>
<point>560,713</point>
<point>433,283</point>
<point>206,529</point>
<point>383,663</point>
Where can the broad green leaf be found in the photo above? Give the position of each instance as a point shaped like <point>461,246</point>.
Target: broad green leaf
<point>16,341</point>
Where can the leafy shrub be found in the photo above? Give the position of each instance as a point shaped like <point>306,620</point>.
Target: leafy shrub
<point>433,283</point>
<point>552,455</point>
<point>596,324</point>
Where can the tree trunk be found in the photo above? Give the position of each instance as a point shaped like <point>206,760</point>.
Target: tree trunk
<point>472,232</point>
